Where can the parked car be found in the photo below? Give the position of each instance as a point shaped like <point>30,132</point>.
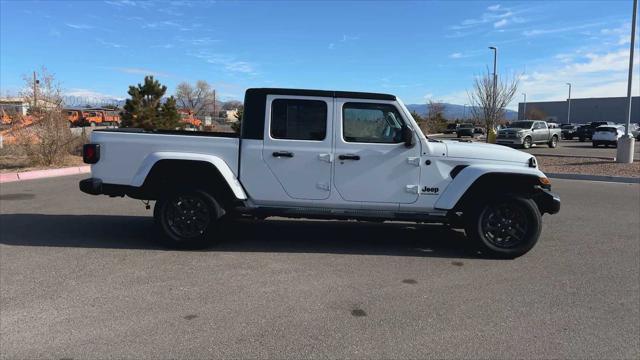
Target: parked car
<point>451,129</point>
<point>569,131</point>
<point>607,135</point>
<point>634,129</point>
<point>586,131</point>
<point>465,129</point>
<point>525,133</point>
<point>479,130</point>
<point>323,154</point>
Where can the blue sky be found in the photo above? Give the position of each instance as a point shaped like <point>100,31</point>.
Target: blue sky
<point>418,50</point>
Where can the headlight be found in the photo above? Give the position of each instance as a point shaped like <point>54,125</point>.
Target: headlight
<point>520,134</point>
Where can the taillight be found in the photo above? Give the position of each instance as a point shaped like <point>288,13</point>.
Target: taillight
<point>90,153</point>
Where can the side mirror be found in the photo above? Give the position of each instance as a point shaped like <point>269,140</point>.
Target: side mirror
<point>407,136</point>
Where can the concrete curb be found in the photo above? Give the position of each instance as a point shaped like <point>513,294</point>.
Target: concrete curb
<point>41,174</point>
<point>617,179</point>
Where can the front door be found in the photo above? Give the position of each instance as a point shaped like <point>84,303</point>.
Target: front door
<point>372,163</point>
<point>297,144</point>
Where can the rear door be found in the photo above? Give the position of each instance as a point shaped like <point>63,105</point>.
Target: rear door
<point>540,131</point>
<point>297,144</point>
<point>372,163</point>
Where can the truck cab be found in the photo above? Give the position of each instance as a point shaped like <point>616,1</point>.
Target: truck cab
<point>324,154</point>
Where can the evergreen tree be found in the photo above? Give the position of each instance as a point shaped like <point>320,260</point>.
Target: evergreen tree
<point>145,108</point>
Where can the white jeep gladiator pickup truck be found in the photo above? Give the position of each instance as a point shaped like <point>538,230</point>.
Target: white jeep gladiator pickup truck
<point>328,155</point>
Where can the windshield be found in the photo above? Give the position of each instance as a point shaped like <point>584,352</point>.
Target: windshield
<point>466,126</point>
<point>567,126</point>
<point>521,125</point>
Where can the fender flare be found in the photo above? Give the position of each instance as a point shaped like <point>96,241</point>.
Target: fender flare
<point>217,162</point>
<point>470,174</point>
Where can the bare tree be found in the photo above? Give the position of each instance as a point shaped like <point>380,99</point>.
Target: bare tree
<point>436,110</point>
<point>231,105</point>
<point>200,99</point>
<point>489,97</point>
<point>45,136</point>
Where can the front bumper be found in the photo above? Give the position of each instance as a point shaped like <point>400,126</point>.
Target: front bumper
<point>509,141</point>
<point>547,201</point>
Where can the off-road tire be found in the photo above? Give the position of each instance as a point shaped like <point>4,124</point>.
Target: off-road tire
<point>187,219</point>
<point>505,227</point>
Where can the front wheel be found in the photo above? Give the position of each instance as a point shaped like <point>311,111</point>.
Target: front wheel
<point>187,219</point>
<point>526,143</point>
<point>507,227</point>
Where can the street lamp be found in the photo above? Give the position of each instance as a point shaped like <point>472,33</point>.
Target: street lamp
<point>494,111</point>
<point>464,112</point>
<point>626,143</point>
<point>524,111</point>
<point>569,108</point>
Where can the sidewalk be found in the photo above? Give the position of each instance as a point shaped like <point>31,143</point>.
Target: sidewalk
<point>40,174</point>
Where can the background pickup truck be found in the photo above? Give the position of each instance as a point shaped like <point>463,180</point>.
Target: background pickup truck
<point>323,154</point>
<point>528,132</point>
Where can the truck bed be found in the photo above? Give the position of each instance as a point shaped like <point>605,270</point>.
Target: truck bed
<point>125,153</point>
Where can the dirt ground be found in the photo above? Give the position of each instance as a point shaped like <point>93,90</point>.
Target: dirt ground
<point>588,166</point>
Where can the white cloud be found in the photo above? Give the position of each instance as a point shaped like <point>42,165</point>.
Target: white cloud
<point>141,71</point>
<point>332,46</point>
<point>110,44</point>
<point>500,23</point>
<point>163,46</point>
<point>561,29</point>
<point>495,7</point>
<point>79,26</point>
<point>456,55</point>
<point>346,38</point>
<point>229,62</point>
<point>591,75</point>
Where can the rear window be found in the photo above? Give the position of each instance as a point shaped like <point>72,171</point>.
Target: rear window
<point>294,119</point>
<point>607,129</point>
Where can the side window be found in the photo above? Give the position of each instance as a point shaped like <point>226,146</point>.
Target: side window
<point>298,119</point>
<point>371,123</point>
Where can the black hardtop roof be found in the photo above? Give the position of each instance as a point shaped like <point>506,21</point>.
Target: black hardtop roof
<point>321,93</point>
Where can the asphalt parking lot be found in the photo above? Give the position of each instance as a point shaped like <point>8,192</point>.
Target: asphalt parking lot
<point>565,148</point>
<point>81,277</point>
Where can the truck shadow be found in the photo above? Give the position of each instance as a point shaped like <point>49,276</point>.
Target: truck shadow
<point>273,236</point>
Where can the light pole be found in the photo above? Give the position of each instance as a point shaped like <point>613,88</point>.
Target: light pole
<point>494,111</point>
<point>626,143</point>
<point>524,111</point>
<point>464,112</point>
<point>569,106</point>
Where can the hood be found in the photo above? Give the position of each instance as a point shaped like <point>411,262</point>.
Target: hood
<point>475,150</point>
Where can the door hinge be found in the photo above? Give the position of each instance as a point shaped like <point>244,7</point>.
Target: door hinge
<point>323,186</point>
<point>325,157</point>
<point>412,189</point>
<point>414,160</point>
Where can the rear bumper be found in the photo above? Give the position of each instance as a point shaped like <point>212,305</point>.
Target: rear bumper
<point>547,201</point>
<point>94,186</point>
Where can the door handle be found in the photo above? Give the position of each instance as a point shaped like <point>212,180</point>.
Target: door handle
<point>349,157</point>
<point>283,154</point>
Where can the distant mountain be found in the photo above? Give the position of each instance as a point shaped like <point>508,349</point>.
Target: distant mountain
<point>454,111</point>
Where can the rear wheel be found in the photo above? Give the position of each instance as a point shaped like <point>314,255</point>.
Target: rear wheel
<point>507,227</point>
<point>187,219</point>
<point>553,142</point>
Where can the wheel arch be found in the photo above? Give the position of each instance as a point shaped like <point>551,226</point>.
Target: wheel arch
<point>475,181</point>
<point>161,170</point>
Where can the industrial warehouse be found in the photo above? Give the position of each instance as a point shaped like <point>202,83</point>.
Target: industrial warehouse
<point>581,111</point>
